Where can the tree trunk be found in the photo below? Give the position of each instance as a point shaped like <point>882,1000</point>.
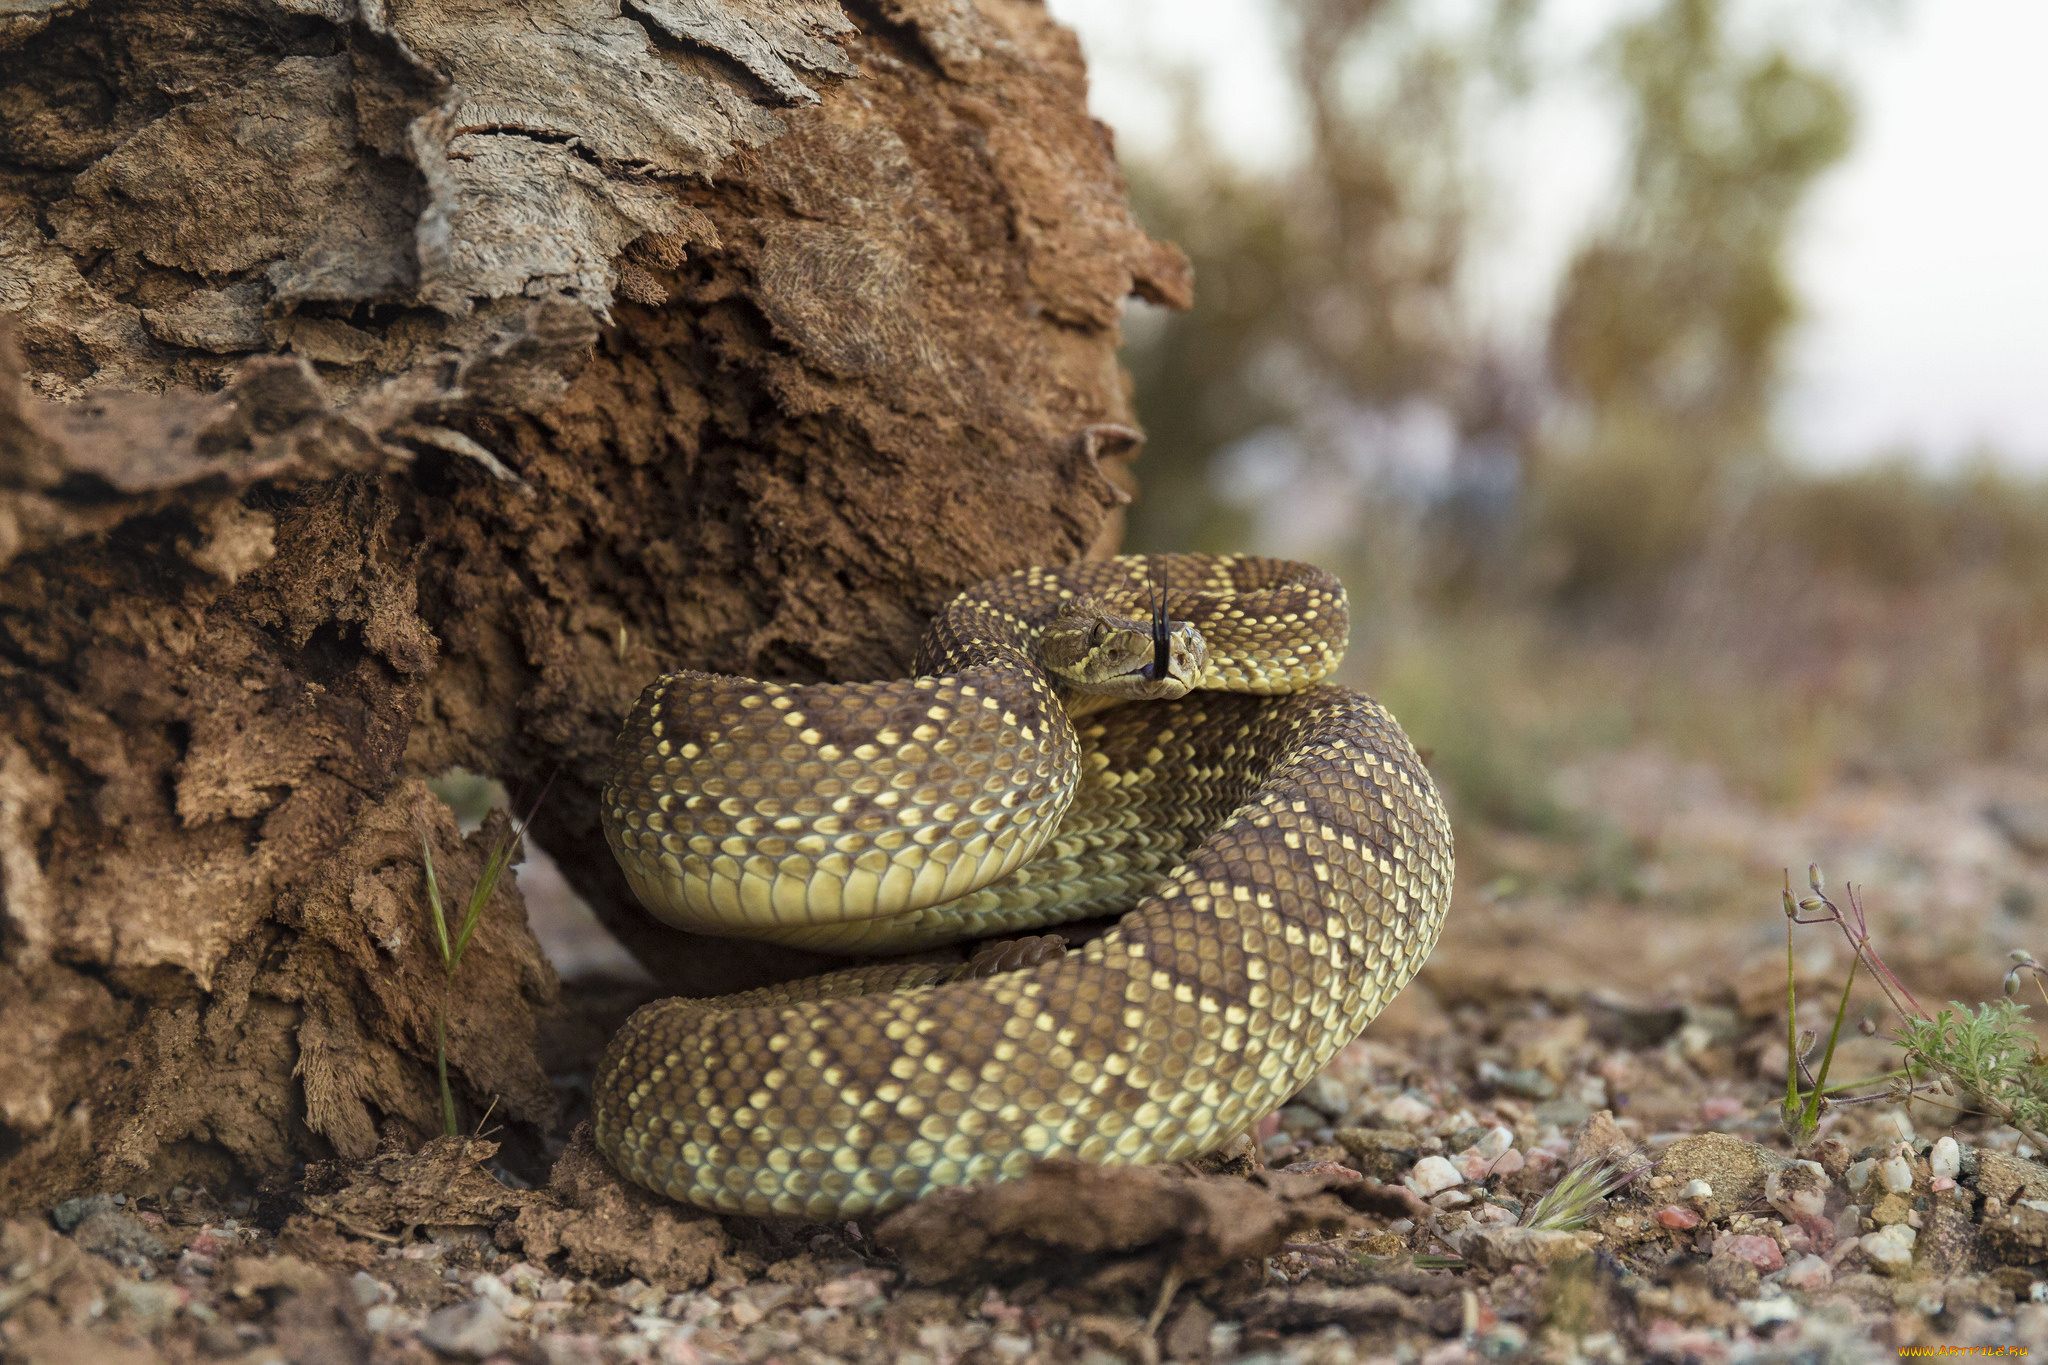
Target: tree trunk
<point>405,386</point>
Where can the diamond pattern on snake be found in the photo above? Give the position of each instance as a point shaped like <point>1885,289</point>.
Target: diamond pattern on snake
<point>1149,737</point>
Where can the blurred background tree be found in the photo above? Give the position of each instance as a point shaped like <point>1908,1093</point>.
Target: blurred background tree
<point>1667,340</point>
<point>1599,538</point>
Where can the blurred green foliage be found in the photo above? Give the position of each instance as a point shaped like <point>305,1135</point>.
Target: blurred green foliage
<point>1666,343</point>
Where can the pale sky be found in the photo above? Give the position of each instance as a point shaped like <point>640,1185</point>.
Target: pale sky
<point>1922,261</point>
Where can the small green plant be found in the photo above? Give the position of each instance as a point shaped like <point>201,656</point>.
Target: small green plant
<point>451,948</point>
<point>1984,1052</point>
<point>1571,1202</point>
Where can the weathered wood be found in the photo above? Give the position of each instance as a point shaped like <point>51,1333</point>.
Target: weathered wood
<point>406,385</point>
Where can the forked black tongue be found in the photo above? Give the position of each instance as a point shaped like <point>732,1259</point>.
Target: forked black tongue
<point>1162,627</point>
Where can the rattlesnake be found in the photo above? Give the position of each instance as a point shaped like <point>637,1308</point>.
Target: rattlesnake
<point>1281,852</point>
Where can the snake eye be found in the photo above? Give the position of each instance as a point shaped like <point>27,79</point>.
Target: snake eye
<point>1097,634</point>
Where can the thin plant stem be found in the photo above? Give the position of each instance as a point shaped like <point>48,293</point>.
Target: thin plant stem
<point>1827,1059</point>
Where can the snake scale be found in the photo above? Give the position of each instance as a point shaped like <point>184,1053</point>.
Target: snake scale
<point>1147,736</point>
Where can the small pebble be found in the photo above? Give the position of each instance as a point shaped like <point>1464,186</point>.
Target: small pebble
<point>1696,1189</point>
<point>1508,1163</point>
<point>474,1328</point>
<point>1326,1095</point>
<point>1720,1108</point>
<point>1898,1174</point>
<point>1405,1111</point>
<point>1858,1175</point>
<point>1946,1160</point>
<point>1799,1190</point>
<point>1472,1166</point>
<point>1808,1272</point>
<point>1761,1252</point>
<point>1677,1216</point>
<point>1890,1249</point>
<point>1495,1144</point>
<point>1433,1175</point>
<point>1941,1184</point>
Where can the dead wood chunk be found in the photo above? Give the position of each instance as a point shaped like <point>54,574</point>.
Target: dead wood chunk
<point>610,1229</point>
<point>1068,1218</point>
<point>1238,1157</point>
<point>443,1184</point>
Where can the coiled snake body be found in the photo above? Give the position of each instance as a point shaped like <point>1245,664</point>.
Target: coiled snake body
<point>1280,850</point>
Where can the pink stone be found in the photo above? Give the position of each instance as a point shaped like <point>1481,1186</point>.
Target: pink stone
<point>1677,1216</point>
<point>1761,1252</point>
<point>1510,1161</point>
<point>1266,1127</point>
<point>1473,1166</point>
<point>1820,1233</point>
<point>1720,1107</point>
<point>1941,1183</point>
<point>1541,1159</point>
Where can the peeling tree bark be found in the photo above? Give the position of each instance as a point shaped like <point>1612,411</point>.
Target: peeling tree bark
<point>404,386</point>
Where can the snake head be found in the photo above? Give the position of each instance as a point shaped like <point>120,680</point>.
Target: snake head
<point>1098,651</point>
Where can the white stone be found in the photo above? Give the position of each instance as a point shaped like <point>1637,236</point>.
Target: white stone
<point>1405,1111</point>
<point>1890,1249</point>
<point>475,1328</point>
<point>1946,1159</point>
<point>1808,1272</point>
<point>1897,1173</point>
<point>369,1290</point>
<point>1496,1143</point>
<point>1433,1175</point>
<point>1327,1095</point>
<point>1696,1189</point>
<point>1800,1190</point>
<point>1858,1175</point>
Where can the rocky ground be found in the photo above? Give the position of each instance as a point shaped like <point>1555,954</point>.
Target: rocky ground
<point>1626,1011</point>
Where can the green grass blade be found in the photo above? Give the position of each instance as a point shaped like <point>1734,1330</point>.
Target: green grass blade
<point>1791,1110</point>
<point>434,903</point>
<point>480,895</point>
<point>487,882</point>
